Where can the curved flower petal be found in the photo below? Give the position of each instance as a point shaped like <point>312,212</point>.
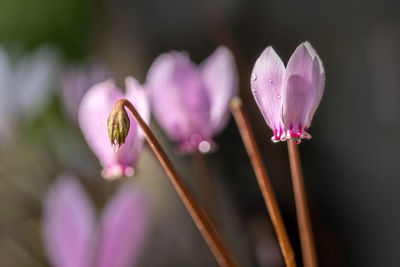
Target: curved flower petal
<point>266,83</point>
<point>314,55</point>
<point>321,81</point>
<point>220,77</point>
<point>166,98</point>
<point>94,110</point>
<point>137,95</point>
<point>68,224</point>
<point>180,102</point>
<point>123,229</point>
<point>300,90</point>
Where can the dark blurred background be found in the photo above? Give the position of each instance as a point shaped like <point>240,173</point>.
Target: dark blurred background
<point>350,166</point>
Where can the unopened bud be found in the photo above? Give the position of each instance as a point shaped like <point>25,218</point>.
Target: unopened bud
<point>118,125</point>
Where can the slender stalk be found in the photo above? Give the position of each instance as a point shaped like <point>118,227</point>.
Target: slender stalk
<point>303,214</point>
<point>263,181</point>
<point>221,252</point>
<point>206,186</point>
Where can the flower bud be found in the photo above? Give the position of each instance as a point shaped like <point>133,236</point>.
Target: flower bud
<point>118,125</point>
<point>105,101</point>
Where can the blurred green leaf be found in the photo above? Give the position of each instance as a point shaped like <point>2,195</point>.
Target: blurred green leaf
<point>62,22</point>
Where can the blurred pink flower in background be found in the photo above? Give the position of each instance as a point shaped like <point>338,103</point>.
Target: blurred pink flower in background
<point>25,86</point>
<point>94,110</point>
<point>72,236</point>
<point>75,81</point>
<point>288,98</point>
<point>191,103</point>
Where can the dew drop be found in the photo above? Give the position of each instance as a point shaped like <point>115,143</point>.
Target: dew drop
<point>270,81</point>
<point>254,90</point>
<point>253,76</point>
<point>279,96</point>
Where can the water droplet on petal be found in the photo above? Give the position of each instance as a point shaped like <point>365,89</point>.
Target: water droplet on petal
<point>254,90</point>
<point>279,96</point>
<point>253,76</point>
<point>270,81</point>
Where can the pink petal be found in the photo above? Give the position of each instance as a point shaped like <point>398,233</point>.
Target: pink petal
<point>266,83</point>
<point>68,224</point>
<point>300,90</point>
<point>314,55</point>
<point>137,95</point>
<point>94,110</point>
<point>321,81</point>
<point>220,77</point>
<point>179,99</point>
<point>124,227</point>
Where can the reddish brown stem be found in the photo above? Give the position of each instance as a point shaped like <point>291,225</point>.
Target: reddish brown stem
<point>303,214</point>
<point>263,181</point>
<point>218,247</point>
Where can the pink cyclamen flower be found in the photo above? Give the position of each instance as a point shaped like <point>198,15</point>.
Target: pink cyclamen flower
<point>75,81</point>
<point>288,98</point>
<point>72,236</point>
<point>191,103</point>
<point>94,110</point>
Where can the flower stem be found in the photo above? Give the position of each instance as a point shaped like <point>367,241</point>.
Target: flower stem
<point>303,214</point>
<point>263,181</point>
<point>221,252</point>
<point>206,186</point>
